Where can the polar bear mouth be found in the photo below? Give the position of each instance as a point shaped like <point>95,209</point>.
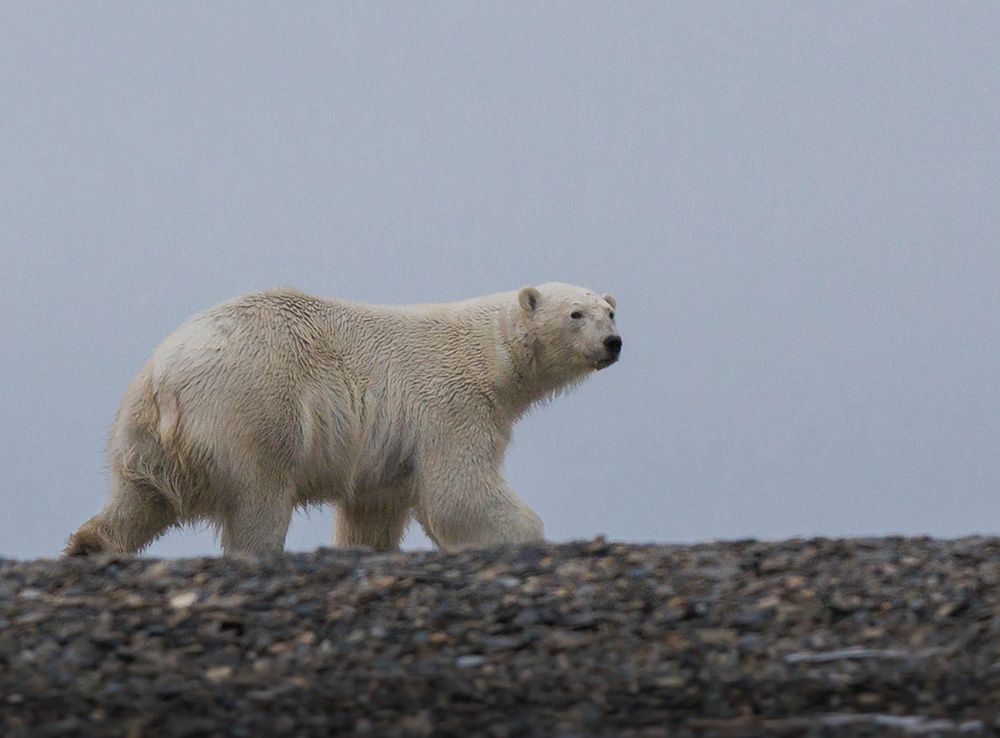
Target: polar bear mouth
<point>605,362</point>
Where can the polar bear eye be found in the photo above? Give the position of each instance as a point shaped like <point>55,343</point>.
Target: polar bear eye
<point>611,315</point>
<point>576,315</point>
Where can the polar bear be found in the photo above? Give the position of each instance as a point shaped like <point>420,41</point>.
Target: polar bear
<point>279,399</point>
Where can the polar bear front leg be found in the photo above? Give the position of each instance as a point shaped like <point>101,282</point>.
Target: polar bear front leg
<point>462,506</point>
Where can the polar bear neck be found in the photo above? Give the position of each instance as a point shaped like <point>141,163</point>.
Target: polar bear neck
<point>522,380</point>
<point>500,341</point>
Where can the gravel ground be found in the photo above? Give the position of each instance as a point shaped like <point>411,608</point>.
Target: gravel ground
<point>817,637</point>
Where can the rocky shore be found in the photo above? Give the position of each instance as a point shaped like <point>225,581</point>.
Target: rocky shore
<point>821,637</point>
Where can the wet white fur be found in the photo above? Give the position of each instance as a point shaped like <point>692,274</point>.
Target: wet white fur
<point>279,399</point>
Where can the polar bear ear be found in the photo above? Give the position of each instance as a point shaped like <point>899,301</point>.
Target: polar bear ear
<point>609,298</point>
<point>529,298</point>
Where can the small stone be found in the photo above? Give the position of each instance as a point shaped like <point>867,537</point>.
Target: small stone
<point>218,674</point>
<point>795,581</point>
<point>134,600</point>
<point>529,616</point>
<point>158,570</point>
<point>717,636</point>
<point>183,600</point>
<point>501,643</point>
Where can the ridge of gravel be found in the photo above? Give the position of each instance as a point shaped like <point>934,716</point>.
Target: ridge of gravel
<point>805,637</point>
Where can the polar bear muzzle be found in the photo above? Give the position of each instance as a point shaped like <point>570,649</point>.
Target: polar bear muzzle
<point>613,346</point>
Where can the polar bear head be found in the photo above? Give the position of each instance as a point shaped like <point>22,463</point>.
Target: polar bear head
<point>571,329</point>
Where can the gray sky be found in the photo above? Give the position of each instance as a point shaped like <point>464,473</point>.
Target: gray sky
<point>796,204</point>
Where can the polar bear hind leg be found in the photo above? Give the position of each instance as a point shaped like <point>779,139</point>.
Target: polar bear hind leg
<point>134,516</point>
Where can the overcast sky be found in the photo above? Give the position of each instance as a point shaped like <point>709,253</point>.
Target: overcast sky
<point>796,204</point>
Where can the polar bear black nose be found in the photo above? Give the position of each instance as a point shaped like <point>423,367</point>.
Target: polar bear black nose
<point>613,344</point>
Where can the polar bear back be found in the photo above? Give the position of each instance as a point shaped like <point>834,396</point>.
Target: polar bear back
<point>285,379</point>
